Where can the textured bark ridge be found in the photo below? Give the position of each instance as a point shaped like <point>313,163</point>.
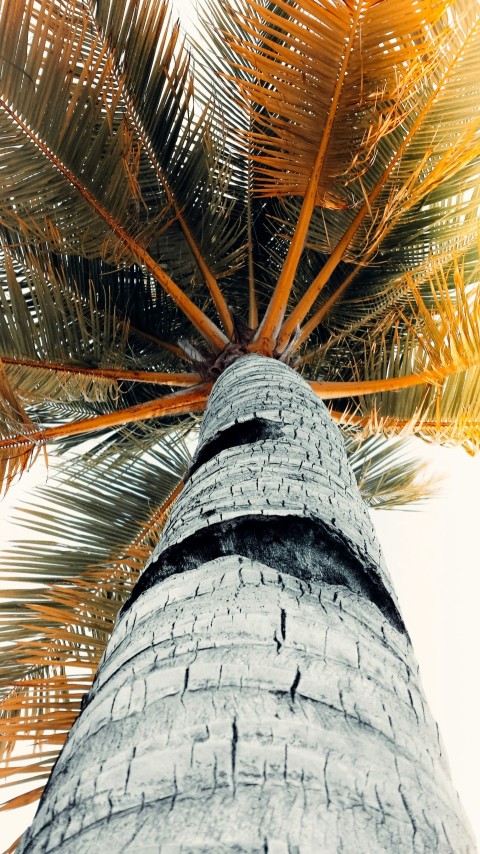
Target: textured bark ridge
<point>243,708</point>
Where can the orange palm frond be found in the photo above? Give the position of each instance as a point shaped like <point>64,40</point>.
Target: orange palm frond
<point>63,640</point>
<point>24,443</point>
<point>419,159</point>
<point>312,104</point>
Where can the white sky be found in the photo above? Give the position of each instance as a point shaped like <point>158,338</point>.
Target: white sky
<point>433,557</point>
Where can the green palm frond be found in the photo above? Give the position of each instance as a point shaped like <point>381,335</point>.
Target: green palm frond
<point>137,302</point>
<point>185,150</point>
<point>48,320</point>
<point>78,80</point>
<point>217,75</point>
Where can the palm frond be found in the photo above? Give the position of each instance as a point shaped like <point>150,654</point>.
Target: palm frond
<point>422,155</point>
<point>170,405</point>
<point>388,473</point>
<point>132,298</point>
<point>301,56</point>
<point>61,64</point>
<point>216,74</point>
<point>420,363</point>
<point>420,415</point>
<point>45,318</point>
<point>58,616</point>
<point>184,149</point>
<point>433,307</point>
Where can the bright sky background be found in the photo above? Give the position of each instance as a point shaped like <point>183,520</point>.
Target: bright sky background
<point>433,557</point>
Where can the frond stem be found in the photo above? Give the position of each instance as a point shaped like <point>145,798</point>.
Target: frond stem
<point>153,338</point>
<point>210,280</point>
<point>153,377</point>
<point>398,424</point>
<point>177,403</point>
<point>252,295</point>
<point>333,390</point>
<point>157,519</point>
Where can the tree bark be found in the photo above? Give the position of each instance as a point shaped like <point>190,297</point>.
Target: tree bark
<point>259,691</point>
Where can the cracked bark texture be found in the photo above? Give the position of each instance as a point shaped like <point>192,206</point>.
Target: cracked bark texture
<point>259,692</point>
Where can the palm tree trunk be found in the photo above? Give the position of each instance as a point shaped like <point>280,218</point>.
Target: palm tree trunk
<point>259,691</point>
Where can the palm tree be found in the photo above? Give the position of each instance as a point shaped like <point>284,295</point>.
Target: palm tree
<point>301,228</point>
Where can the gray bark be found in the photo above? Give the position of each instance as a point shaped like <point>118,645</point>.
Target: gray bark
<point>259,691</point>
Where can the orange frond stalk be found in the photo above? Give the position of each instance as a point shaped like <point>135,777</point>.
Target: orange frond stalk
<point>252,294</point>
<point>153,377</point>
<point>159,517</point>
<point>269,326</point>
<point>468,432</point>
<point>333,390</point>
<point>13,847</point>
<point>252,297</point>
<point>202,323</point>
<point>304,305</point>
<point>177,403</point>
<point>210,280</point>
<point>319,315</point>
